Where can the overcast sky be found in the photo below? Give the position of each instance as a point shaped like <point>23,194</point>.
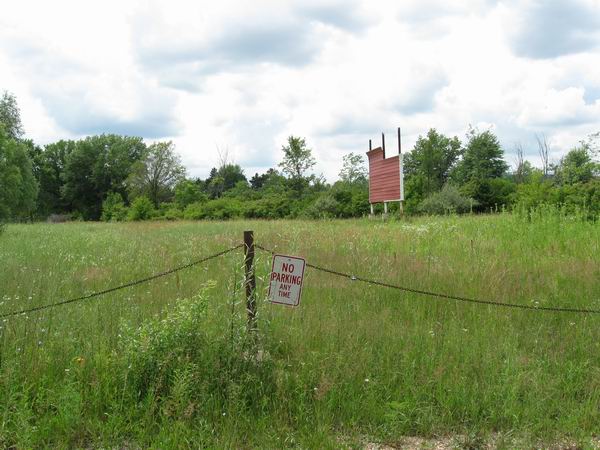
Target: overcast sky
<point>243,75</point>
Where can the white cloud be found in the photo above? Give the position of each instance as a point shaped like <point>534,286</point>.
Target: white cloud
<point>245,75</point>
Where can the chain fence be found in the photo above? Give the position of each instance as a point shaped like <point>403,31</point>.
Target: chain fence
<point>121,286</point>
<point>440,295</point>
<point>351,277</point>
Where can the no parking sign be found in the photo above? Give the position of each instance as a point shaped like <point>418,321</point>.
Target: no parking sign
<point>285,282</point>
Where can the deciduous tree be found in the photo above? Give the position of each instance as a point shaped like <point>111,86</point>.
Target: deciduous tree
<point>10,116</point>
<point>297,158</point>
<point>96,166</point>
<point>577,166</point>
<point>157,173</point>
<point>482,158</point>
<point>353,169</point>
<point>431,161</point>
<point>18,187</point>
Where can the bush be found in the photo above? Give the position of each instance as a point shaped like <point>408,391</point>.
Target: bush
<point>194,211</point>
<point>325,207</point>
<point>141,209</point>
<point>113,208</point>
<point>353,200</point>
<point>447,201</point>
<point>219,209</point>
<point>168,211</point>
<point>172,214</point>
<point>223,209</point>
<point>183,369</point>
<point>188,192</point>
<point>490,193</point>
<point>537,192</point>
<point>268,207</point>
<point>576,200</point>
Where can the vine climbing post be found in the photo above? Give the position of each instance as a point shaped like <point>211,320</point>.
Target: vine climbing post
<point>250,279</point>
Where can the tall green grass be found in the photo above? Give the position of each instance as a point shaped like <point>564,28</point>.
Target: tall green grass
<point>168,364</point>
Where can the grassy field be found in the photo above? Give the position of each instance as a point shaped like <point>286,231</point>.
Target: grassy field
<point>167,364</point>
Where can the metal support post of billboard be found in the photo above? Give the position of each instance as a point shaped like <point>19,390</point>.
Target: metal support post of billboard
<point>250,279</point>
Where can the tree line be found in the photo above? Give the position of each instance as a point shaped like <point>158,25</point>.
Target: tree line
<point>114,178</point>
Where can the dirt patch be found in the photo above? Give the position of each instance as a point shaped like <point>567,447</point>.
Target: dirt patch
<point>93,274</point>
<point>490,443</point>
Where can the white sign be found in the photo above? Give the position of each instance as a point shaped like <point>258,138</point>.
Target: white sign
<point>285,282</point>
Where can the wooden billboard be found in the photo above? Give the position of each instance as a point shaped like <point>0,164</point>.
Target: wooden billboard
<point>385,175</point>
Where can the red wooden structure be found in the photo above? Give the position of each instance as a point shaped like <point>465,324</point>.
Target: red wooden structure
<point>385,175</point>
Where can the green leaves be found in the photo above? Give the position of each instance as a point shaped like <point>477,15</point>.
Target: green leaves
<point>96,166</point>
<point>141,209</point>
<point>353,170</point>
<point>482,158</point>
<point>10,116</point>
<point>432,160</point>
<point>577,166</point>
<point>157,173</point>
<point>297,159</point>
<point>18,187</point>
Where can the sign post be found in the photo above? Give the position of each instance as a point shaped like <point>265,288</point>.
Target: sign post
<point>250,279</point>
<point>285,281</point>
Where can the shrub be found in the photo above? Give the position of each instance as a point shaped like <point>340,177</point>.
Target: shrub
<point>113,208</point>
<point>325,207</point>
<point>168,211</point>
<point>353,199</point>
<point>268,207</point>
<point>219,209</point>
<point>172,214</point>
<point>184,368</point>
<point>447,201</point>
<point>542,198</point>
<point>141,209</point>
<point>489,193</point>
<point>194,211</point>
<point>188,192</point>
<point>223,209</point>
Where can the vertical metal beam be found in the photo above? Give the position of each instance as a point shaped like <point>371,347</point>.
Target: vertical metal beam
<point>401,160</point>
<point>383,144</point>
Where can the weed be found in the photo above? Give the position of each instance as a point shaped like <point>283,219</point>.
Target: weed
<point>184,373</point>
